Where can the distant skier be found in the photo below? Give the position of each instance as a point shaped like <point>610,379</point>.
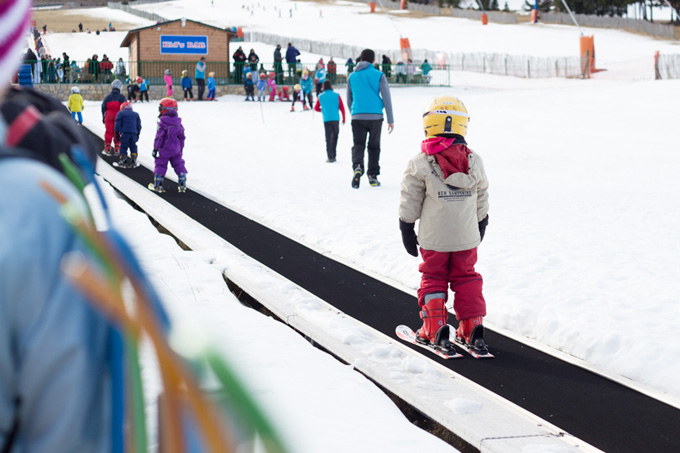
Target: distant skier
<point>329,103</point>
<point>445,187</point>
<point>75,105</point>
<point>186,86</point>
<point>132,90</point>
<point>211,87</point>
<point>249,86</point>
<point>143,89</point>
<point>168,83</point>
<point>128,127</point>
<point>110,108</point>
<point>306,85</point>
<point>271,83</point>
<point>168,146</point>
<point>319,77</point>
<point>262,87</point>
<point>297,96</point>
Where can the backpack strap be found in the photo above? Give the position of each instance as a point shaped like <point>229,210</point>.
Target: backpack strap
<point>22,125</point>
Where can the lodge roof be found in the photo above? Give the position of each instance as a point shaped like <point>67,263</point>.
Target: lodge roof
<point>130,33</point>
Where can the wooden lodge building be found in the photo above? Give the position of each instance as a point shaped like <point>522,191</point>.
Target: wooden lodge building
<point>177,45</point>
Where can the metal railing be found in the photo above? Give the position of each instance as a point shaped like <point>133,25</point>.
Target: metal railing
<point>415,74</point>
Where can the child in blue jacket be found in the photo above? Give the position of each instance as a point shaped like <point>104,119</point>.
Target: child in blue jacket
<point>211,87</point>
<point>128,127</point>
<point>262,87</point>
<point>186,86</point>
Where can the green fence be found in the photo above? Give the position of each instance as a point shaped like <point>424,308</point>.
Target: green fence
<point>91,71</point>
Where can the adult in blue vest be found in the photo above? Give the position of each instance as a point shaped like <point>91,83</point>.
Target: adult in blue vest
<point>200,77</point>
<point>329,103</point>
<point>368,93</point>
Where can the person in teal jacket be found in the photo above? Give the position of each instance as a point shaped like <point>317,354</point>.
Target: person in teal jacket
<point>306,86</point>
<point>143,89</point>
<point>329,103</point>
<point>368,93</point>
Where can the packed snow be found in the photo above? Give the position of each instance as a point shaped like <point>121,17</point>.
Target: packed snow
<point>581,253</point>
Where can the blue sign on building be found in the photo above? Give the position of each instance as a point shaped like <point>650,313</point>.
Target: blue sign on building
<point>188,45</point>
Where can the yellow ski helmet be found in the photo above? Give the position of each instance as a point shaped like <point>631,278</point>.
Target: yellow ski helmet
<point>445,115</point>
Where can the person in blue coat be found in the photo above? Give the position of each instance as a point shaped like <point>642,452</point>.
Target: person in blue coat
<point>291,58</point>
<point>319,78</point>
<point>329,103</point>
<point>186,86</point>
<point>128,127</point>
<point>368,93</point>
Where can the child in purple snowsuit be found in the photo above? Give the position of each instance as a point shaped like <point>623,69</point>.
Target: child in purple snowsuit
<point>168,146</point>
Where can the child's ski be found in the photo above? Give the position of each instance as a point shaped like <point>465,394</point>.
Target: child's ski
<point>119,165</point>
<point>407,334</point>
<point>152,187</point>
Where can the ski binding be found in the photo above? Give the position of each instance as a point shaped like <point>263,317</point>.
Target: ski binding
<point>407,334</point>
<point>476,348</point>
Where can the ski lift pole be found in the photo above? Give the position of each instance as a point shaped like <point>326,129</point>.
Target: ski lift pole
<point>484,17</point>
<point>572,17</point>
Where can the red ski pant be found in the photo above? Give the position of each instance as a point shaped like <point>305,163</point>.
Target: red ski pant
<point>109,135</point>
<point>441,269</point>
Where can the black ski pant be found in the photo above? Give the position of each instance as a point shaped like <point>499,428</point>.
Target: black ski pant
<point>144,94</point>
<point>201,88</point>
<point>361,129</point>
<point>332,129</point>
<point>188,94</point>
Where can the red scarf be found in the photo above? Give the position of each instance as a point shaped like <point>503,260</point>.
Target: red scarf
<point>451,157</point>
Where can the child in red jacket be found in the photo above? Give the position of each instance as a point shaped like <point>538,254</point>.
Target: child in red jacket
<point>110,108</point>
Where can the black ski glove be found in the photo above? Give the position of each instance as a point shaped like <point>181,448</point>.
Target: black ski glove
<point>117,136</point>
<point>154,153</point>
<point>482,227</point>
<point>408,237</point>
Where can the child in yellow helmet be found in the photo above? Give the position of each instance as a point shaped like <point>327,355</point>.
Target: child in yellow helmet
<point>445,188</point>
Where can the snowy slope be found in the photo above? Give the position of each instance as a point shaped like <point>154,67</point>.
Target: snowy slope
<point>582,251</point>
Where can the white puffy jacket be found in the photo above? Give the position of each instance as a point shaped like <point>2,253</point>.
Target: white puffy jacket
<point>450,208</point>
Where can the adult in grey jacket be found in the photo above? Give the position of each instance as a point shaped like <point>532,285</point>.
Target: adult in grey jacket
<point>445,187</point>
<point>368,93</point>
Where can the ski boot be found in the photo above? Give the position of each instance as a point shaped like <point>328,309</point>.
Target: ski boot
<point>470,333</point>
<point>435,330</point>
<point>157,184</point>
<point>107,151</point>
<point>116,149</point>
<point>304,107</point>
<point>182,183</point>
<point>292,108</point>
<point>373,181</point>
<point>357,177</point>
<point>133,160</point>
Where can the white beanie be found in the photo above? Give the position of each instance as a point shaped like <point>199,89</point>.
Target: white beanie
<point>14,19</point>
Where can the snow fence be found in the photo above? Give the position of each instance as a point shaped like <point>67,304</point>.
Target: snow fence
<point>490,63</point>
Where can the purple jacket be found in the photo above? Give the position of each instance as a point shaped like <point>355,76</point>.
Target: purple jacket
<point>170,137</point>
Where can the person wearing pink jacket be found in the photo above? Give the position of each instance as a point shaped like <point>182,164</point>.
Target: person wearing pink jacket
<point>168,83</point>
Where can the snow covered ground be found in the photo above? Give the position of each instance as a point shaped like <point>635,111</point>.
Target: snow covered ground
<point>581,254</point>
